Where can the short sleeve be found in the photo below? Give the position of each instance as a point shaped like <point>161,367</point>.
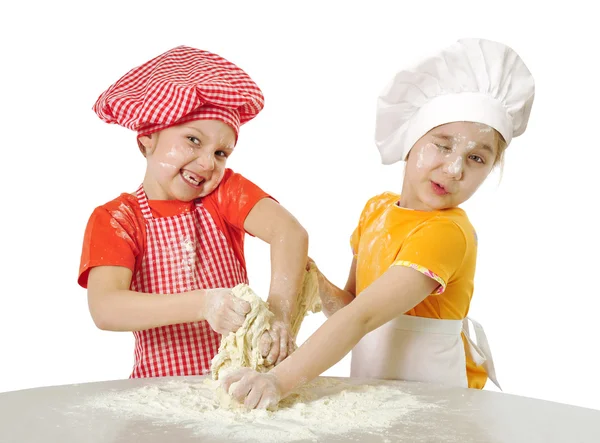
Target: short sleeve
<point>372,207</point>
<point>235,197</point>
<point>112,238</point>
<point>436,248</point>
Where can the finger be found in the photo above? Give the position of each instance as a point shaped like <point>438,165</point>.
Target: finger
<point>220,328</point>
<point>264,344</point>
<point>242,307</point>
<point>274,352</point>
<point>240,390</point>
<point>266,401</point>
<point>235,319</point>
<point>283,346</point>
<point>253,398</point>
<point>229,379</point>
<point>226,327</point>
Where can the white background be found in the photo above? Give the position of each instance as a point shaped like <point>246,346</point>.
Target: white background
<point>321,66</point>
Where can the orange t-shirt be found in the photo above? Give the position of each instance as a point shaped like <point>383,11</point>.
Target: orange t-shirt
<point>440,244</point>
<point>116,232</point>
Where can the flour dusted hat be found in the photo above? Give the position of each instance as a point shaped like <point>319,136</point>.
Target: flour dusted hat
<point>473,80</point>
<point>181,85</point>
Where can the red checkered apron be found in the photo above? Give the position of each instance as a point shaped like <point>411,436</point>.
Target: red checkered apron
<point>183,253</point>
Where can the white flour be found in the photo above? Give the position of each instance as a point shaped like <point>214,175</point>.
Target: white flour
<point>325,406</point>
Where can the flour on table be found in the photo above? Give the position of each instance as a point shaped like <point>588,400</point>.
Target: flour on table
<point>323,407</point>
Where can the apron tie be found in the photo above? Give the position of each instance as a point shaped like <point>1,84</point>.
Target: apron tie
<point>480,349</point>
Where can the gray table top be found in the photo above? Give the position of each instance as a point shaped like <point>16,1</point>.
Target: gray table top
<point>57,414</point>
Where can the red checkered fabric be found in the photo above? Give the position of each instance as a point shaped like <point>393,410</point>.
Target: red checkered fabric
<point>183,253</point>
<point>180,85</point>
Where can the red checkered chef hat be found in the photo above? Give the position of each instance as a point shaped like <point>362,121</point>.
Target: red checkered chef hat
<point>181,85</point>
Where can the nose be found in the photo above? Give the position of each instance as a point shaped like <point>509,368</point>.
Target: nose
<point>206,161</point>
<point>453,167</point>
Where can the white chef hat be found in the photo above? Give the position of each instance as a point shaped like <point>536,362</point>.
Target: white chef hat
<point>473,80</point>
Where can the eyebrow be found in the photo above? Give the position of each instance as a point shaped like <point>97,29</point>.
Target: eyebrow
<point>480,145</point>
<point>227,147</point>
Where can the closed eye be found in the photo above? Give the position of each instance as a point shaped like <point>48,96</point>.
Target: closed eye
<point>443,148</point>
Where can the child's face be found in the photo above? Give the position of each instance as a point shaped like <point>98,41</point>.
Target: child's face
<point>187,161</point>
<point>448,164</point>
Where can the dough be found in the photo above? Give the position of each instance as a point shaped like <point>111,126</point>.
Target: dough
<point>308,300</point>
<point>241,349</point>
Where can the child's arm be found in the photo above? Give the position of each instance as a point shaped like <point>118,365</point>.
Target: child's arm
<point>116,308</point>
<point>334,298</point>
<point>398,290</point>
<point>273,224</point>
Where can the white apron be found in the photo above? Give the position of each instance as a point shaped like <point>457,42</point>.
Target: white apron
<point>422,349</point>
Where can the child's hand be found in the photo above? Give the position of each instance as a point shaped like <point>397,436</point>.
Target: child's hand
<point>253,389</point>
<point>224,312</point>
<point>332,298</point>
<point>277,343</point>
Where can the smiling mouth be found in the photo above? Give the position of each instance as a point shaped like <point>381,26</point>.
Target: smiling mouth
<point>191,179</point>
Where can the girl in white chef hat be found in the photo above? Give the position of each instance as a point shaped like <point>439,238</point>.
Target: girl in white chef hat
<point>403,311</point>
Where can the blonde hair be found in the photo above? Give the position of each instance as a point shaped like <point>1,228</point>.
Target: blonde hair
<point>499,161</point>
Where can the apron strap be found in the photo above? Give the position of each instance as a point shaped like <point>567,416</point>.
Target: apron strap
<point>143,201</point>
<point>480,349</point>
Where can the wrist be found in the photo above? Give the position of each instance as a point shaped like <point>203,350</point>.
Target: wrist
<point>283,387</point>
<point>199,297</point>
<point>325,288</point>
<point>281,309</point>
<point>282,318</point>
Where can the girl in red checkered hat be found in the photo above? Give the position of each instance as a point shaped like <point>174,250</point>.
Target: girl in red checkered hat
<point>161,261</point>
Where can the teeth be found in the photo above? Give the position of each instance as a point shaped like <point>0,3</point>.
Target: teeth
<point>188,177</point>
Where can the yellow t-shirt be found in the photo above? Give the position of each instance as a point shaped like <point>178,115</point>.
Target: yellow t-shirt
<point>440,244</point>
